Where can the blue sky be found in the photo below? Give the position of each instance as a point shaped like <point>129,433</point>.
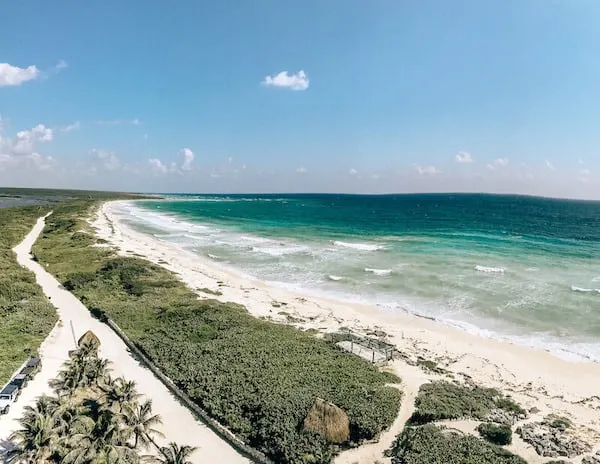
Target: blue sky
<point>321,95</point>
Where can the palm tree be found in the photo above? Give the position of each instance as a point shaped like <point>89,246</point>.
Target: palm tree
<point>37,441</point>
<point>96,371</point>
<point>102,441</point>
<point>139,422</point>
<point>173,454</point>
<point>119,392</point>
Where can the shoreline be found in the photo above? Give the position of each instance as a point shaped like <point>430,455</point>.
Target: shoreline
<point>533,377</point>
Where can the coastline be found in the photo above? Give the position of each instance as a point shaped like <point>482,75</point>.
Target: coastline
<point>533,377</point>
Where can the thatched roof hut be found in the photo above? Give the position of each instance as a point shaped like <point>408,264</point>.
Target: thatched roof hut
<point>89,338</point>
<point>328,420</point>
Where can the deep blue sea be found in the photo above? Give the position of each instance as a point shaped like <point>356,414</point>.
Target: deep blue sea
<point>512,267</point>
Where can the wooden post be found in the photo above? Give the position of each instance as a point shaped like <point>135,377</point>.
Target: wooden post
<point>73,333</point>
<point>373,357</point>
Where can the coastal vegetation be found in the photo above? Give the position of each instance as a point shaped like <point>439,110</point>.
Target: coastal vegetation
<point>432,444</point>
<point>499,434</point>
<point>92,419</point>
<point>446,400</point>
<point>261,380</point>
<point>26,316</point>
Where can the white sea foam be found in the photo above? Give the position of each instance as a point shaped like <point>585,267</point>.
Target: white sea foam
<point>359,246</point>
<point>380,272</point>
<point>532,269</point>
<point>334,277</point>
<point>281,250</point>
<point>596,279</point>
<point>585,290</point>
<point>251,238</point>
<point>211,256</point>
<point>490,270</point>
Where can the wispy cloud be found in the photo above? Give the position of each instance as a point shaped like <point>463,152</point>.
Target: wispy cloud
<point>549,165</point>
<point>463,157</point>
<point>497,163</point>
<point>105,159</point>
<point>426,170</point>
<point>301,170</point>
<point>71,127</point>
<point>157,166</point>
<point>298,81</point>
<point>352,172</point>
<point>188,158</point>
<point>119,122</point>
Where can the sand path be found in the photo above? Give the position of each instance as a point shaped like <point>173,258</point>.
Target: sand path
<point>179,424</point>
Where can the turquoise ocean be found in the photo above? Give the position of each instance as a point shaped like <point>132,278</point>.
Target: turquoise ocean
<point>523,269</point>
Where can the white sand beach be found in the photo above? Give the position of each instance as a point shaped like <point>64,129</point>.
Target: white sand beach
<point>534,378</point>
<point>178,425</point>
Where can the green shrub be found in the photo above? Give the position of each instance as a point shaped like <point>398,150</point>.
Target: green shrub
<point>257,378</point>
<point>499,434</point>
<point>26,315</point>
<point>444,400</point>
<point>558,422</point>
<point>430,444</point>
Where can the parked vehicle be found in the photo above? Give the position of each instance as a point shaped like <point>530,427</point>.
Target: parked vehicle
<point>20,380</point>
<point>8,396</point>
<point>33,366</point>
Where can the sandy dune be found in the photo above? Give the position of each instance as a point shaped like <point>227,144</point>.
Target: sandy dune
<point>178,422</point>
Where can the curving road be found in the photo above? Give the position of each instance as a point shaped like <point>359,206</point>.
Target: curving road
<point>179,424</point>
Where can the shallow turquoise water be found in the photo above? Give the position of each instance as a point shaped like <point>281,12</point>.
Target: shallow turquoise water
<point>522,268</point>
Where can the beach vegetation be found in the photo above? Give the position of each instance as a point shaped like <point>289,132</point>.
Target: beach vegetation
<point>499,434</point>
<point>26,315</point>
<point>432,444</point>
<point>446,400</point>
<point>101,420</point>
<point>258,378</point>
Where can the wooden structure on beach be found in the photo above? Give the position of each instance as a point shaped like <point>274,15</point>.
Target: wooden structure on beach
<point>372,349</point>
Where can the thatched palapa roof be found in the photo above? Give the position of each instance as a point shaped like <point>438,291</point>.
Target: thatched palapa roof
<point>89,337</point>
<point>328,420</point>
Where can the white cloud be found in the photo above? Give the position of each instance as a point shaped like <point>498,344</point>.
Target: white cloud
<point>352,172</point>
<point>498,162</point>
<point>62,64</point>
<point>580,161</point>
<point>26,140</point>
<point>585,172</point>
<point>13,75</point>
<point>549,165</point>
<point>71,127</point>
<point>188,158</point>
<point>119,122</point>
<point>21,149</point>
<point>301,170</point>
<point>157,166</point>
<point>298,81</point>
<point>463,157</point>
<point>427,170</point>
<point>108,160</point>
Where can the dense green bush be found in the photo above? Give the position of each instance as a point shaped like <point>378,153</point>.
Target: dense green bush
<point>445,400</point>
<point>257,378</point>
<point>26,316</point>
<point>430,444</point>
<point>499,434</point>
